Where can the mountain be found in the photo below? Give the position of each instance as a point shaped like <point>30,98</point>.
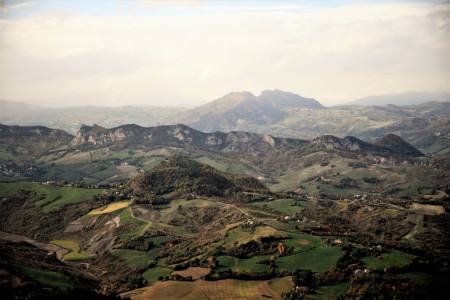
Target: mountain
<point>180,136</point>
<point>251,143</point>
<point>241,109</point>
<point>276,113</point>
<point>71,118</point>
<point>408,98</point>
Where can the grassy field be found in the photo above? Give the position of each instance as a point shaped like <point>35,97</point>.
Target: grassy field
<point>287,206</point>
<point>317,260</point>
<point>5,154</point>
<point>242,236</point>
<point>110,208</point>
<point>326,292</point>
<point>53,197</point>
<point>221,166</point>
<point>240,264</point>
<point>281,285</point>
<point>203,290</point>
<point>389,259</point>
<point>126,218</point>
<point>151,275</point>
<point>74,248</point>
<point>46,277</point>
<point>302,242</point>
<point>134,258</point>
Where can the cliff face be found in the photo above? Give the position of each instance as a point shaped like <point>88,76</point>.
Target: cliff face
<point>180,135</point>
<point>236,141</point>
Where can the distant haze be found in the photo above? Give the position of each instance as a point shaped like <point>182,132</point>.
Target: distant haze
<point>116,53</point>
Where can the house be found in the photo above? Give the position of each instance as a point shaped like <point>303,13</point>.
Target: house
<point>338,242</point>
<point>353,266</point>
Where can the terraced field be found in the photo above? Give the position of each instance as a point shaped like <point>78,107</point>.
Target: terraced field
<point>200,289</point>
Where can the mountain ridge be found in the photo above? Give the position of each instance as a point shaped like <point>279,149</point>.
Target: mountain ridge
<point>237,141</point>
<point>407,98</point>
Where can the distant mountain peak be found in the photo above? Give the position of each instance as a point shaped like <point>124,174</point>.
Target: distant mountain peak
<point>243,109</point>
<point>407,98</point>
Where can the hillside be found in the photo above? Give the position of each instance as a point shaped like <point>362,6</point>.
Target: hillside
<point>25,141</point>
<point>182,175</point>
<point>186,229</point>
<point>143,210</point>
<point>398,145</point>
<point>98,156</point>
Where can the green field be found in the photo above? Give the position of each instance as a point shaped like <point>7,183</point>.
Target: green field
<point>50,198</point>
<point>287,206</point>
<point>240,236</point>
<point>74,248</point>
<point>223,166</point>
<point>5,154</point>
<point>302,242</point>
<point>317,260</point>
<point>46,277</point>
<point>134,258</point>
<point>126,218</point>
<point>151,275</point>
<point>389,259</point>
<point>326,292</point>
<point>240,264</point>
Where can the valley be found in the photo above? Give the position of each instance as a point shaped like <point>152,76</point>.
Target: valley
<point>141,211</point>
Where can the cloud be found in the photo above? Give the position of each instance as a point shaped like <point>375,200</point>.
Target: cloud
<point>201,53</point>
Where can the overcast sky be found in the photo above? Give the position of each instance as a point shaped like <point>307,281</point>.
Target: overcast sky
<point>115,53</point>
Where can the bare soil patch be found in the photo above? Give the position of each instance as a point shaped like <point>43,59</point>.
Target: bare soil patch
<point>427,209</point>
<point>110,208</point>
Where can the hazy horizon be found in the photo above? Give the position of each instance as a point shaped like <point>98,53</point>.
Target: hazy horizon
<point>187,53</point>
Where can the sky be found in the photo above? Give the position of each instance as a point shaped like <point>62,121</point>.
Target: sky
<point>186,53</point>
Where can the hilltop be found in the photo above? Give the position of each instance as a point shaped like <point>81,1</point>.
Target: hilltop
<point>182,175</point>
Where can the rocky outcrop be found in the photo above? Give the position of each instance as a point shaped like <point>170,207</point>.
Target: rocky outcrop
<point>182,135</point>
<point>236,141</point>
